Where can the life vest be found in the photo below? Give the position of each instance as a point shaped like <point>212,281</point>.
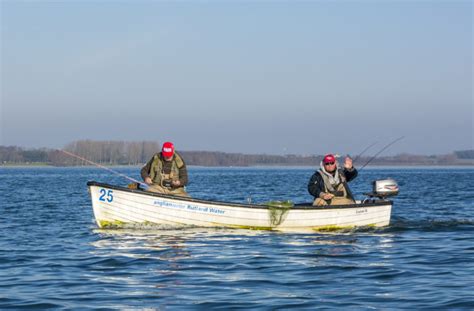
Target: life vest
<point>336,189</point>
<point>156,169</point>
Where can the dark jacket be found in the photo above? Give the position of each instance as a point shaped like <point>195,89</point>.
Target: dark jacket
<point>183,172</point>
<point>316,183</point>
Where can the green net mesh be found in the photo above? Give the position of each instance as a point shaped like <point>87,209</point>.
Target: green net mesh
<point>277,211</point>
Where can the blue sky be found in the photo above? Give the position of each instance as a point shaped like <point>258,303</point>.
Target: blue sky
<point>276,77</point>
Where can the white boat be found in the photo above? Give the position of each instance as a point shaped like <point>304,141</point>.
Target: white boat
<point>116,206</point>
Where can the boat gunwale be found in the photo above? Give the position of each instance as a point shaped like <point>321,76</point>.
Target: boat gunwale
<point>241,205</point>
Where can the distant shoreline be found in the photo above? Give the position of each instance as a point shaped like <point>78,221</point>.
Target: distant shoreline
<point>117,153</point>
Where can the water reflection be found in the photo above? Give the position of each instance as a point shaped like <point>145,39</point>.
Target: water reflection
<point>159,244</point>
<point>146,262</point>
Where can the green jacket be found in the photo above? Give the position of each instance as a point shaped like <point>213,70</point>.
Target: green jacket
<point>161,171</point>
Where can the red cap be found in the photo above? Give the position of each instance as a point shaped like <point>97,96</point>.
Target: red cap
<point>328,158</point>
<point>168,149</point>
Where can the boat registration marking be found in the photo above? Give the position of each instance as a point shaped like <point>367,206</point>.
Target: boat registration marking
<point>106,195</point>
<point>190,207</point>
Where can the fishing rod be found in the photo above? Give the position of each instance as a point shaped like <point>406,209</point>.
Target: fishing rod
<point>103,167</point>
<point>370,160</point>
<point>355,160</point>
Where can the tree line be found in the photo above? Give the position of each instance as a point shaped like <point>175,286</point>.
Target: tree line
<point>102,152</point>
<point>138,153</point>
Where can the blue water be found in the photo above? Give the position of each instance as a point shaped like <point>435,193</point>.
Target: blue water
<point>53,256</point>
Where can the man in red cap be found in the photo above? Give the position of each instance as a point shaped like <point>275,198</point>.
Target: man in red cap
<point>329,186</point>
<point>166,172</point>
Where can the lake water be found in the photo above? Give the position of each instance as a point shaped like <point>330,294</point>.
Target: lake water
<point>52,255</point>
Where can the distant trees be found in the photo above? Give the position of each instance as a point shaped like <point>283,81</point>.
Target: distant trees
<point>209,158</point>
<point>13,154</point>
<point>137,153</point>
<point>464,154</point>
<point>113,152</point>
<point>102,152</point>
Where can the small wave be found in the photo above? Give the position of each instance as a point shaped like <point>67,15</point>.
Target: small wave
<point>400,224</point>
<point>29,305</point>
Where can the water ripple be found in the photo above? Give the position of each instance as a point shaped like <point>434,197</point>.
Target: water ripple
<point>52,256</point>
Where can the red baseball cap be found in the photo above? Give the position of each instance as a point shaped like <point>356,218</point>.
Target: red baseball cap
<point>168,149</point>
<point>328,158</point>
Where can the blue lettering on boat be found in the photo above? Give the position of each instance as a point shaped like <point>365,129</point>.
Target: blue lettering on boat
<point>216,211</point>
<point>168,204</point>
<point>198,208</point>
<point>189,207</point>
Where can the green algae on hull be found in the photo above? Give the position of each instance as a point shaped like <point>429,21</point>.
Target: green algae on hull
<point>111,224</point>
<point>332,228</point>
<point>117,224</point>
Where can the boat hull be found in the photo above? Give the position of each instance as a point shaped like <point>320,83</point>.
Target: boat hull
<point>118,206</point>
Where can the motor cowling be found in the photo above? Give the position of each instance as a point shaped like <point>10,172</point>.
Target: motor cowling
<point>385,188</point>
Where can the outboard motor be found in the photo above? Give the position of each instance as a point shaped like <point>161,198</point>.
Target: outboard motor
<point>383,189</point>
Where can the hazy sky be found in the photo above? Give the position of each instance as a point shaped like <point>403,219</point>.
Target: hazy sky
<point>274,77</point>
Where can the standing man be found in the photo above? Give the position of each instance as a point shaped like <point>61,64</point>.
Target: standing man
<point>329,186</point>
<point>166,172</point>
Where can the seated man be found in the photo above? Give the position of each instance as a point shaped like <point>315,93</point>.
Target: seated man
<point>329,186</point>
<point>166,172</point>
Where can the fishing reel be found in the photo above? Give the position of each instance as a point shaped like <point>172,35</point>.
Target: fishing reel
<point>135,186</point>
